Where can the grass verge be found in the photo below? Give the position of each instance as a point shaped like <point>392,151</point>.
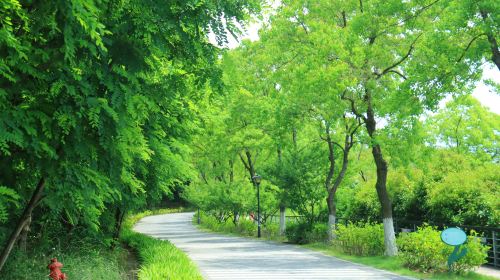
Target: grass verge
<point>82,260</point>
<point>159,259</point>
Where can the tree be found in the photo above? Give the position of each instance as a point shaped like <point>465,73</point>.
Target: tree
<point>467,127</point>
<point>380,50</point>
<point>97,93</point>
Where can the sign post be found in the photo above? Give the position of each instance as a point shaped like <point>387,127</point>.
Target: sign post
<point>454,237</point>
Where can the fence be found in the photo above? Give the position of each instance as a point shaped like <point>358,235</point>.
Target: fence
<point>489,235</point>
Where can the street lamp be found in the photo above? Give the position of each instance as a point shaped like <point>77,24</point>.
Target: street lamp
<point>256,179</point>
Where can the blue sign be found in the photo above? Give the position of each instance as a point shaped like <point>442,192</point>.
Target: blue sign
<point>453,236</point>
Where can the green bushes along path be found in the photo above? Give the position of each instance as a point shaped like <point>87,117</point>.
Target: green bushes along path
<point>159,259</point>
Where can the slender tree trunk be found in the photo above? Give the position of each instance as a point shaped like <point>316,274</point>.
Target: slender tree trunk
<point>119,214</point>
<point>381,184</point>
<point>332,188</point>
<point>282,220</point>
<point>35,197</point>
<point>236,217</point>
<point>294,137</point>
<point>332,215</point>
<point>23,239</point>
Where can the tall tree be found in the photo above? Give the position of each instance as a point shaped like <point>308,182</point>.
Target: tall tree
<point>96,92</point>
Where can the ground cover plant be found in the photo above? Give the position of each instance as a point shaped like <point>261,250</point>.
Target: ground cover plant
<point>159,259</point>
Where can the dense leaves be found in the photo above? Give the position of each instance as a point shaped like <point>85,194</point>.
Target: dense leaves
<point>98,99</point>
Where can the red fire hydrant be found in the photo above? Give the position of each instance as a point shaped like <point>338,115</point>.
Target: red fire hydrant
<point>55,270</point>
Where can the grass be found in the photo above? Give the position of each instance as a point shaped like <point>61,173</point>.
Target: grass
<point>159,259</point>
<point>83,261</point>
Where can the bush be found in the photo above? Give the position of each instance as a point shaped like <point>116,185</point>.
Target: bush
<point>244,227</point>
<point>318,233</point>
<point>298,233</point>
<point>271,230</point>
<point>360,239</point>
<point>303,233</point>
<point>424,251</point>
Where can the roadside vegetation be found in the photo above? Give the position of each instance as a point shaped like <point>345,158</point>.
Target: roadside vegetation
<point>159,259</point>
<point>83,258</point>
<point>422,254</point>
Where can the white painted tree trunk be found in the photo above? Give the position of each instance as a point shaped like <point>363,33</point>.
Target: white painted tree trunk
<point>331,226</point>
<point>282,220</point>
<point>389,238</point>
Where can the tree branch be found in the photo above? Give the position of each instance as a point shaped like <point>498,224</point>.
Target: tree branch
<point>468,46</point>
<point>395,64</point>
<point>353,106</point>
<point>404,20</point>
<point>398,73</point>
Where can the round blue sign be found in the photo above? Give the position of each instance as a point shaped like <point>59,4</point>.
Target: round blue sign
<point>453,236</point>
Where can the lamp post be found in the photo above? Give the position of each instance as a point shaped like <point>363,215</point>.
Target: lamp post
<point>256,179</point>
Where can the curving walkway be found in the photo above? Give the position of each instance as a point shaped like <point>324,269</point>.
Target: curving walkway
<point>226,257</point>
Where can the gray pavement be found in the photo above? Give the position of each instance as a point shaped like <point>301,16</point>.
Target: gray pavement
<point>227,257</point>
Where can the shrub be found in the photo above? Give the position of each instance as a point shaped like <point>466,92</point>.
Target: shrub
<point>360,239</point>
<point>271,230</point>
<point>424,251</point>
<point>244,227</point>
<point>298,233</point>
<point>318,233</point>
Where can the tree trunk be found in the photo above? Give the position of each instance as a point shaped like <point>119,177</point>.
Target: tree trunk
<point>282,220</point>
<point>381,184</point>
<point>332,189</point>
<point>495,52</point>
<point>332,215</point>
<point>236,217</point>
<point>119,214</point>
<point>23,239</point>
<point>383,196</point>
<point>35,197</point>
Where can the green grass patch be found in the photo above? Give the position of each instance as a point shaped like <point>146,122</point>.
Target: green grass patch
<point>82,261</point>
<point>159,259</point>
<point>393,264</point>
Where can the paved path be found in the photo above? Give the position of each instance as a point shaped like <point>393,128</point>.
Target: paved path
<point>227,257</point>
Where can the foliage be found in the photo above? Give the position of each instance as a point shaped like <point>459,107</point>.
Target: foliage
<point>298,233</point>
<point>245,227</point>
<point>395,264</point>
<point>99,99</point>
<point>424,251</point>
<point>363,239</point>
<point>467,127</point>
<point>159,258</point>
<point>82,260</point>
